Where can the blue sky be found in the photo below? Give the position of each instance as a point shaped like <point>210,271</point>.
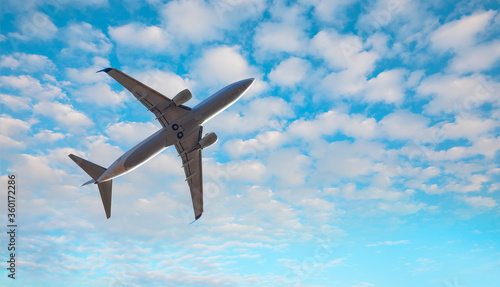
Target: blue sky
<point>365,154</point>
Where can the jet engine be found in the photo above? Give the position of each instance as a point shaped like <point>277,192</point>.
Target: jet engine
<point>206,141</point>
<point>182,97</point>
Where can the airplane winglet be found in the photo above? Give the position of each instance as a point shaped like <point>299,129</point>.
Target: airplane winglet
<point>196,218</point>
<point>105,70</point>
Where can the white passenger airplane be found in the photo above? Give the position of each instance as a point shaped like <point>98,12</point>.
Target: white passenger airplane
<point>182,127</point>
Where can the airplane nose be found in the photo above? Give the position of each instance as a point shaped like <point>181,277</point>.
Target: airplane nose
<point>249,82</point>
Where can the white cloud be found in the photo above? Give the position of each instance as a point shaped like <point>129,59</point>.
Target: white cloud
<point>335,49</point>
<point>342,159</point>
<point>405,125</point>
<point>454,94</point>
<point>139,36</point>
<point>479,58</point>
<point>352,61</point>
<point>252,171</point>
<point>65,115</point>
<point>279,37</point>
<point>462,37</point>
<point>329,11</point>
<point>486,146</point>
<point>331,122</point>
<point>88,75</point>
<point>461,33</point>
<point>195,20</point>
<point>31,87</point>
<point>36,25</point>
<point>15,103</point>
<point>480,201</point>
<point>165,82</point>
<point>12,126</point>
<point>290,72</point>
<point>388,87</point>
<point>84,38</point>
<point>26,62</point>
<point>285,33</point>
<point>129,133</point>
<point>351,192</point>
<point>224,65</point>
<point>252,147</point>
<point>48,136</point>
<point>260,114</point>
<point>9,143</point>
<point>99,151</point>
<point>99,94</point>
<point>467,127</point>
<point>37,170</point>
<point>290,166</point>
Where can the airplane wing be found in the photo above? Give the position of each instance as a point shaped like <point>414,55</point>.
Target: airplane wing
<point>191,161</point>
<point>151,99</point>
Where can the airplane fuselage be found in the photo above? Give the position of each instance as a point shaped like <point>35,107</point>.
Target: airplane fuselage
<point>176,130</point>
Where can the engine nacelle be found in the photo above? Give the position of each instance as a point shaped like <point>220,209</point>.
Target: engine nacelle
<point>208,140</point>
<point>182,97</point>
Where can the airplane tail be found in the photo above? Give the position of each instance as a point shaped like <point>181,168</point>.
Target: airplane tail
<point>95,171</point>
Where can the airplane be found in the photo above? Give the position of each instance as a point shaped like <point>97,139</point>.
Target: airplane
<point>181,126</point>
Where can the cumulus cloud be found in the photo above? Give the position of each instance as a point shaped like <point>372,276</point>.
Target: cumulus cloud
<point>12,126</point>
<point>405,125</point>
<point>285,33</point>
<point>479,58</point>
<point>342,159</point>
<point>13,133</point>
<point>26,62</point>
<point>88,75</point>
<point>461,33</point>
<point>462,37</point>
<point>165,82</point>
<point>331,122</point>
<point>480,201</point>
<point>99,94</point>
<point>223,65</point>
<point>388,87</point>
<point>63,114</point>
<point>31,87</point>
<point>351,62</point>
<point>194,19</point>
<point>48,136</point>
<point>129,133</point>
<point>259,114</point>
<point>139,36</point>
<point>36,25</point>
<point>290,166</point>
<point>335,49</point>
<point>15,103</point>
<point>455,94</point>
<point>467,127</point>
<point>290,72</point>
<point>84,38</point>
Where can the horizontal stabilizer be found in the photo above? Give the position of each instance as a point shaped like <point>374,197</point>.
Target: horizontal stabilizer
<point>105,190</point>
<point>92,169</point>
